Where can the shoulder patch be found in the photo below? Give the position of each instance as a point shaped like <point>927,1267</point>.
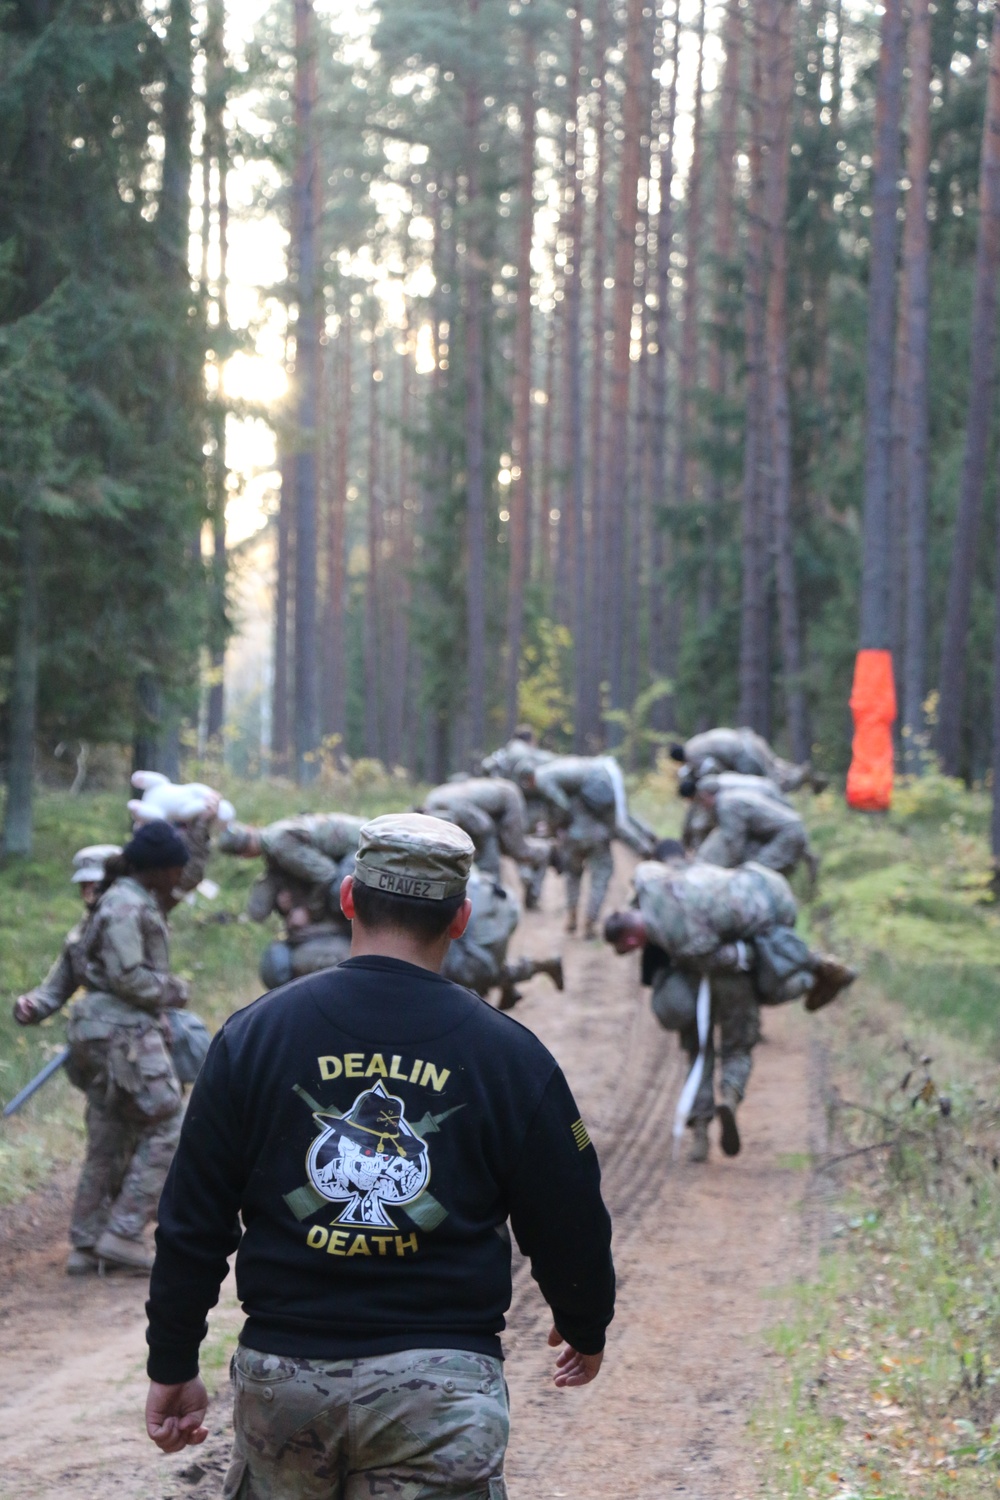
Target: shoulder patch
<point>580,1135</point>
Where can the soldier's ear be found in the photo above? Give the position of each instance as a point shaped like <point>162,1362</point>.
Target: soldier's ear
<point>347,897</point>
<point>460,920</point>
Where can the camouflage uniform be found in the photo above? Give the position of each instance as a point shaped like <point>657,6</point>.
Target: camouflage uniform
<point>580,792</point>
<point>478,959</point>
<point>699,821</point>
<point>747,826</point>
<point>425,1424</point>
<point>119,1057</point>
<point>513,761</point>
<point>197,836</point>
<point>494,815</point>
<point>691,912</point>
<point>66,975</point>
<point>745,751</point>
<point>306,857</point>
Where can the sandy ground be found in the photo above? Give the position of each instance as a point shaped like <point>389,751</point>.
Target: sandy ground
<point>701,1253</point>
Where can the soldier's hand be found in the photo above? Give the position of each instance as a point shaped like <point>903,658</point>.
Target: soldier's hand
<point>572,1367</point>
<point>25,1011</point>
<point>175,1414</point>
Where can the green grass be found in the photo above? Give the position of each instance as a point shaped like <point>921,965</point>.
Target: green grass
<point>211,946</point>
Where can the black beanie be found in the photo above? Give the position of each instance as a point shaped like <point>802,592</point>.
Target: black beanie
<point>156,846</point>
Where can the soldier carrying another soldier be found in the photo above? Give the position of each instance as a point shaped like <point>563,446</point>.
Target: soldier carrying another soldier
<point>492,812</point>
<point>478,959</point>
<point>422,1121</point>
<point>733,927</point>
<point>119,1051</point>
<point>305,859</point>
<point>699,820</point>
<point>747,826</point>
<point>586,801</point>
<point>746,751</point>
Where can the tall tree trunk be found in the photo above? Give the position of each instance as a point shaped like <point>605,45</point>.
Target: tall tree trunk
<point>723,253</point>
<point>308,328</point>
<point>571,521</point>
<point>982,377</point>
<point>520,498</point>
<point>475,417</point>
<point>281,677</point>
<point>916,314</point>
<point>688,366</point>
<point>399,597</point>
<point>754,671</point>
<point>335,693</point>
<point>659,655</point>
<point>373,581</point>
<point>588,690</point>
<point>615,481</point>
<point>779,81</point>
<point>216,148</point>
<point>547,531</point>
<point>23,710</point>
<point>876,533</point>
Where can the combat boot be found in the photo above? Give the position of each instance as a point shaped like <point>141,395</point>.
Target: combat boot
<point>509,996</point>
<point>571,921</point>
<point>699,1143</point>
<point>831,976</point>
<point>81,1261</point>
<point>726,1112</point>
<point>113,1250</point>
<point>554,969</point>
<point>590,929</point>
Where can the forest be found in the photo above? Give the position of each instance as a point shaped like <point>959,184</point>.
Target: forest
<point>640,368</point>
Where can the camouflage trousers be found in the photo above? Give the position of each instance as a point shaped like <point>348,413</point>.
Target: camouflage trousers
<point>593,855</point>
<point>426,1424</point>
<point>735,1017</point>
<point>133,1121</point>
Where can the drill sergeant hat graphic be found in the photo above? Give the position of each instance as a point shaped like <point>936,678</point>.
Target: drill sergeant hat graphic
<point>367,1159</point>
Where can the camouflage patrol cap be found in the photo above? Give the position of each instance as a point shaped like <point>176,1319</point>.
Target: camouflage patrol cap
<point>89,862</point>
<point>411,854</point>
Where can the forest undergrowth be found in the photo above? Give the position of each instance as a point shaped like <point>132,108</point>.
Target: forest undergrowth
<point>890,1360</point>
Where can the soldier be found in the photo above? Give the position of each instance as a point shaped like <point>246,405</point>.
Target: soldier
<point>696,920</point>
<point>119,1053</point>
<point>699,821</point>
<point>306,859</point>
<point>745,751</point>
<point>376,1128</point>
<point>192,809</point>
<point>747,826</point>
<point>478,959</point>
<point>586,801</point>
<point>521,751</point>
<point>66,975</point>
<point>492,812</point>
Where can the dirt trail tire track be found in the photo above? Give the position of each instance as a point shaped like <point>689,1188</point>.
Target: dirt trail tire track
<point>696,1250</point>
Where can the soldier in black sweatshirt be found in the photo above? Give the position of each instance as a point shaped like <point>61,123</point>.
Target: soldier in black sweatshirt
<point>374,1127</point>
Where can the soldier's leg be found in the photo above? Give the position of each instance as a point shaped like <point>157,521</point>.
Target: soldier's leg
<point>290,1427</point>
<point>153,1107</point>
<point>488,853</point>
<point>101,1175</point>
<point>523,969</point>
<point>574,859</point>
<point>739,1026</point>
<point>428,1424</point>
<point>785,850</point>
<point>532,879</point>
<point>601,866</point>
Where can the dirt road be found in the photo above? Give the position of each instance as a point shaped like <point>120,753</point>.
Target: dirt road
<point>699,1250</point>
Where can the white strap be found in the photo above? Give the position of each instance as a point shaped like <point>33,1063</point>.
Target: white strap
<point>693,1081</point>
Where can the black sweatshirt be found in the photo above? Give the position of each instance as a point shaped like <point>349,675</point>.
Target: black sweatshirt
<point>375,1126</point>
